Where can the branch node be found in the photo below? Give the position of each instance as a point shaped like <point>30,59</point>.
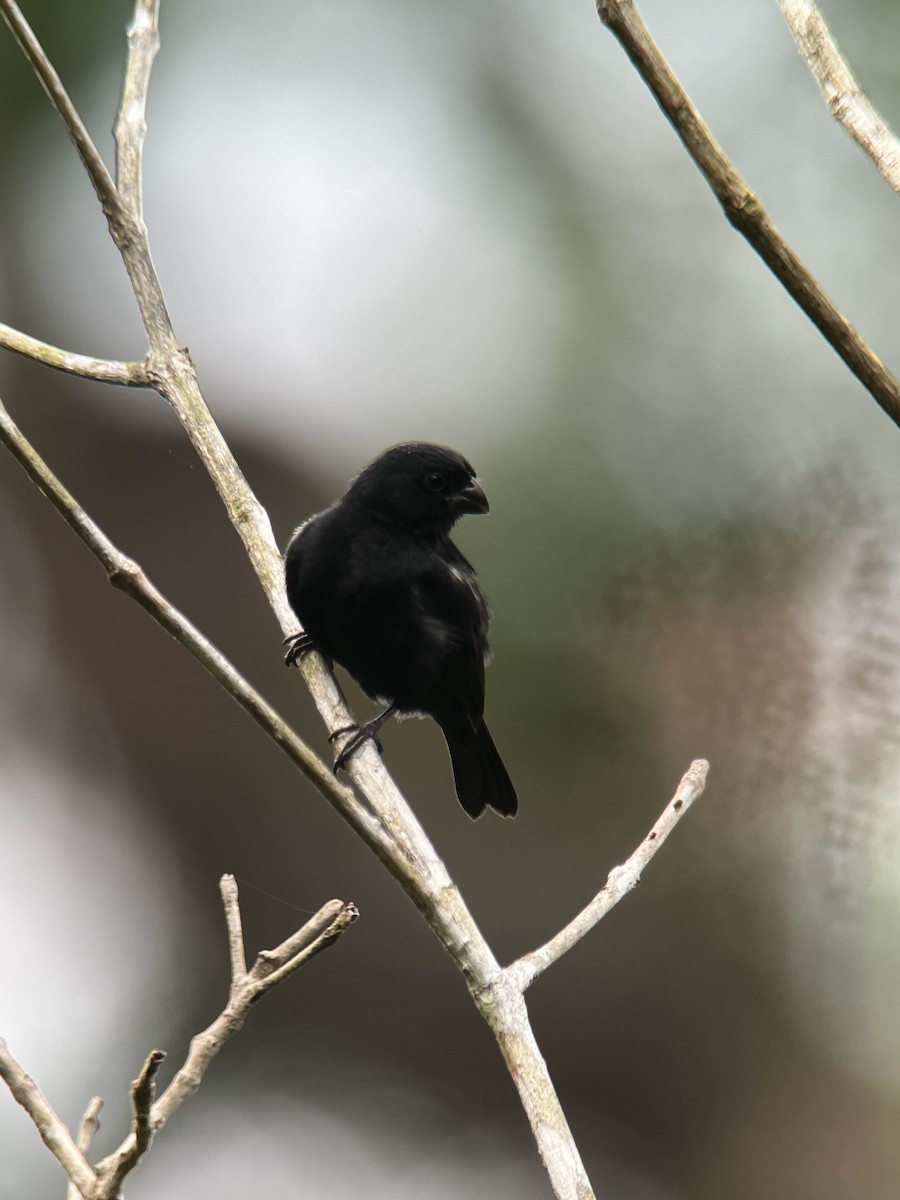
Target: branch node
<point>125,574</point>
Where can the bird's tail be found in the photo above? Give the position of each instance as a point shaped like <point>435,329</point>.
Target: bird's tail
<point>478,771</point>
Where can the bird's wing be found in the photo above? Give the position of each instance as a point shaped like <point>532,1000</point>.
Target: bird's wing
<point>451,596</point>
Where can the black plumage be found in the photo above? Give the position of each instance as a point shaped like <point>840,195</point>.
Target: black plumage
<point>380,588</point>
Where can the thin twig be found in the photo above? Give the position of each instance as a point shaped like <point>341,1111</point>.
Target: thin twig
<point>50,1126</point>
<point>90,1123</point>
<point>94,165</point>
<point>103,370</point>
<point>131,124</point>
<point>846,101</point>
<point>228,890</point>
<point>743,209</point>
<point>114,1170</point>
<point>620,882</point>
<point>142,1095</point>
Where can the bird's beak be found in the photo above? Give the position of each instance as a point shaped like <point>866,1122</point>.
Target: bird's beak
<point>471,499</point>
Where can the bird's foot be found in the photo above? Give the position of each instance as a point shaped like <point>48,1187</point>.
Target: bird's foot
<point>296,646</point>
<point>361,733</point>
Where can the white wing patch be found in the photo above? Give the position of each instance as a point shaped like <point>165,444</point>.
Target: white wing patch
<point>467,579</point>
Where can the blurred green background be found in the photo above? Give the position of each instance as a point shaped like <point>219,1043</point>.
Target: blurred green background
<point>466,223</point>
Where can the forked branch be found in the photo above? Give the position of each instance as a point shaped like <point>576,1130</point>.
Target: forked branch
<point>246,988</point>
<point>104,1180</point>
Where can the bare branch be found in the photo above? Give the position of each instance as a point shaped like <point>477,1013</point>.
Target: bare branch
<point>228,890</point>
<point>54,1133</point>
<point>90,1123</point>
<point>846,101</point>
<point>502,1004</point>
<point>620,882</point>
<point>94,165</point>
<point>243,994</point>
<point>142,1095</point>
<point>103,370</point>
<point>743,209</point>
<point>131,125</point>
<point>270,968</point>
<point>118,1166</point>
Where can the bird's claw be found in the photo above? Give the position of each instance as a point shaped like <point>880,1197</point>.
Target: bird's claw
<point>297,644</point>
<point>361,733</point>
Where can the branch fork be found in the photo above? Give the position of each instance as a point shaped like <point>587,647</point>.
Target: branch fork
<point>105,1179</point>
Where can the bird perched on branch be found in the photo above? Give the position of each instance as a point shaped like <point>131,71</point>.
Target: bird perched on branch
<point>380,588</point>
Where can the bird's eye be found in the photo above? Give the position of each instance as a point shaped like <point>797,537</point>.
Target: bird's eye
<point>434,481</point>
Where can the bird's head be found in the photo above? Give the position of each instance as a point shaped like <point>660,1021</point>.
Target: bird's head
<point>421,487</point>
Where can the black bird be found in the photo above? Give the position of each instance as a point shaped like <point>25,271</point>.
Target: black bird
<point>380,588</point>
